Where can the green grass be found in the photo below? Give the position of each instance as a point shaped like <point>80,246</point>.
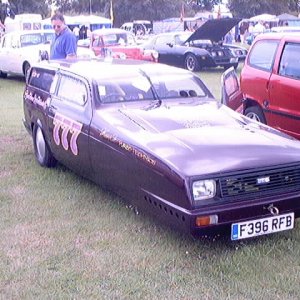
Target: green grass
<point>63,237</point>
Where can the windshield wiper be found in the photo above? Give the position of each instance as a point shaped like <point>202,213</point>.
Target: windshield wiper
<point>157,100</point>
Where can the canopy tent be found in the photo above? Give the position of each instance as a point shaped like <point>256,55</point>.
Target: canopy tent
<point>263,18</point>
<point>285,17</point>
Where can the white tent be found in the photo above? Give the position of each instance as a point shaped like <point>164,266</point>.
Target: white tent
<point>263,18</point>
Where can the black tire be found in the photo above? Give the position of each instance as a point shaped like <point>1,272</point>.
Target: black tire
<point>255,113</point>
<point>42,152</point>
<point>191,63</point>
<point>2,74</point>
<point>26,68</point>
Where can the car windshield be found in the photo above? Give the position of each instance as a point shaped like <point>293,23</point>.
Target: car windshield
<point>118,39</point>
<point>181,38</point>
<point>151,85</point>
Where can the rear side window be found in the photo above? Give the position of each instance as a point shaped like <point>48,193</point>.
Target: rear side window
<point>290,61</point>
<point>41,79</point>
<point>262,55</point>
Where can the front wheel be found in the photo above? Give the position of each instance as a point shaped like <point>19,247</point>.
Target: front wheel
<point>41,149</point>
<point>255,113</point>
<point>26,68</point>
<point>191,63</point>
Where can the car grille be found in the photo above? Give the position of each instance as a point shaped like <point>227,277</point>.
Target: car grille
<point>261,183</point>
<point>222,60</point>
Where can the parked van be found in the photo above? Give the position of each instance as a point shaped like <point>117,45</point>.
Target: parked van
<point>23,22</point>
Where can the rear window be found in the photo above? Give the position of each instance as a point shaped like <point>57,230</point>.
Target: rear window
<point>290,61</point>
<point>262,55</point>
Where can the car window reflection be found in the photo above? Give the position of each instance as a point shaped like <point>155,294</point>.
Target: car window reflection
<point>151,86</point>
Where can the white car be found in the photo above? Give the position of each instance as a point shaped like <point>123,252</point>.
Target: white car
<point>20,49</point>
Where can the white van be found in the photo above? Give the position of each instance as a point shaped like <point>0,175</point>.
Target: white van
<point>23,22</point>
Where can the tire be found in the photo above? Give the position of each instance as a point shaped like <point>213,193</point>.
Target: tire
<point>191,63</point>
<point>255,113</point>
<point>26,68</point>
<point>42,152</point>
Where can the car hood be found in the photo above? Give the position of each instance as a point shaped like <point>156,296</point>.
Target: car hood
<point>201,139</point>
<point>213,30</point>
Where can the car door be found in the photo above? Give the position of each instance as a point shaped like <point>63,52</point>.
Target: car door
<point>5,52</point>
<point>15,55</point>
<point>231,95</point>
<point>165,46</point>
<point>70,114</point>
<point>284,89</point>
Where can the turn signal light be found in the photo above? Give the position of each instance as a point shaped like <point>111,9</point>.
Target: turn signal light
<point>206,220</point>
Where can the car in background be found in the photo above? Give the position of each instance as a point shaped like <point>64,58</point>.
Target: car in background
<point>270,82</point>
<point>202,48</point>
<point>155,135</point>
<point>139,27</point>
<point>238,51</point>
<point>20,49</point>
<point>118,43</point>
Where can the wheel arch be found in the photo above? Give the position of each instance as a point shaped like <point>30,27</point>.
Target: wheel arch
<point>25,62</point>
<point>250,102</point>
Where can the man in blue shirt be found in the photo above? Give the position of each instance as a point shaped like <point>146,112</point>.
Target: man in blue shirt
<point>65,43</point>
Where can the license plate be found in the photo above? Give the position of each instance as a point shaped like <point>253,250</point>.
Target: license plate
<point>263,226</point>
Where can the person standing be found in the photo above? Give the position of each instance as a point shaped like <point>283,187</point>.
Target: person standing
<point>64,46</point>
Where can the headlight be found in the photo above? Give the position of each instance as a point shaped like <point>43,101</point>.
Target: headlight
<point>220,53</point>
<point>204,189</point>
<point>213,54</point>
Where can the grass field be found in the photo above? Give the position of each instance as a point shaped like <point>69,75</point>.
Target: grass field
<point>62,237</point>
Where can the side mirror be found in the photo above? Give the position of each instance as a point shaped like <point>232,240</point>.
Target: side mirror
<point>43,55</point>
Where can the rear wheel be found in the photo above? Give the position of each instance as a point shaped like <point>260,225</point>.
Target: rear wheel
<point>255,113</point>
<point>191,63</point>
<point>41,149</point>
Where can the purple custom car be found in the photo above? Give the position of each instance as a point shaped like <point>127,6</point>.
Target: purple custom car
<point>155,135</point>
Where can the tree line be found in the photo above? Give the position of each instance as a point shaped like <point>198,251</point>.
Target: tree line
<point>129,10</point>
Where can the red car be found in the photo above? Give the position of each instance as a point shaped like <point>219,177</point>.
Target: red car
<point>270,82</point>
<point>119,43</point>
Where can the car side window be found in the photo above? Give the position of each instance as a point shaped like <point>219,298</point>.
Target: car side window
<point>262,55</point>
<point>41,79</point>
<point>290,61</point>
<point>72,90</point>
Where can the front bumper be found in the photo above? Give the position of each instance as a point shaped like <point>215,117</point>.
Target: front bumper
<point>227,213</point>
